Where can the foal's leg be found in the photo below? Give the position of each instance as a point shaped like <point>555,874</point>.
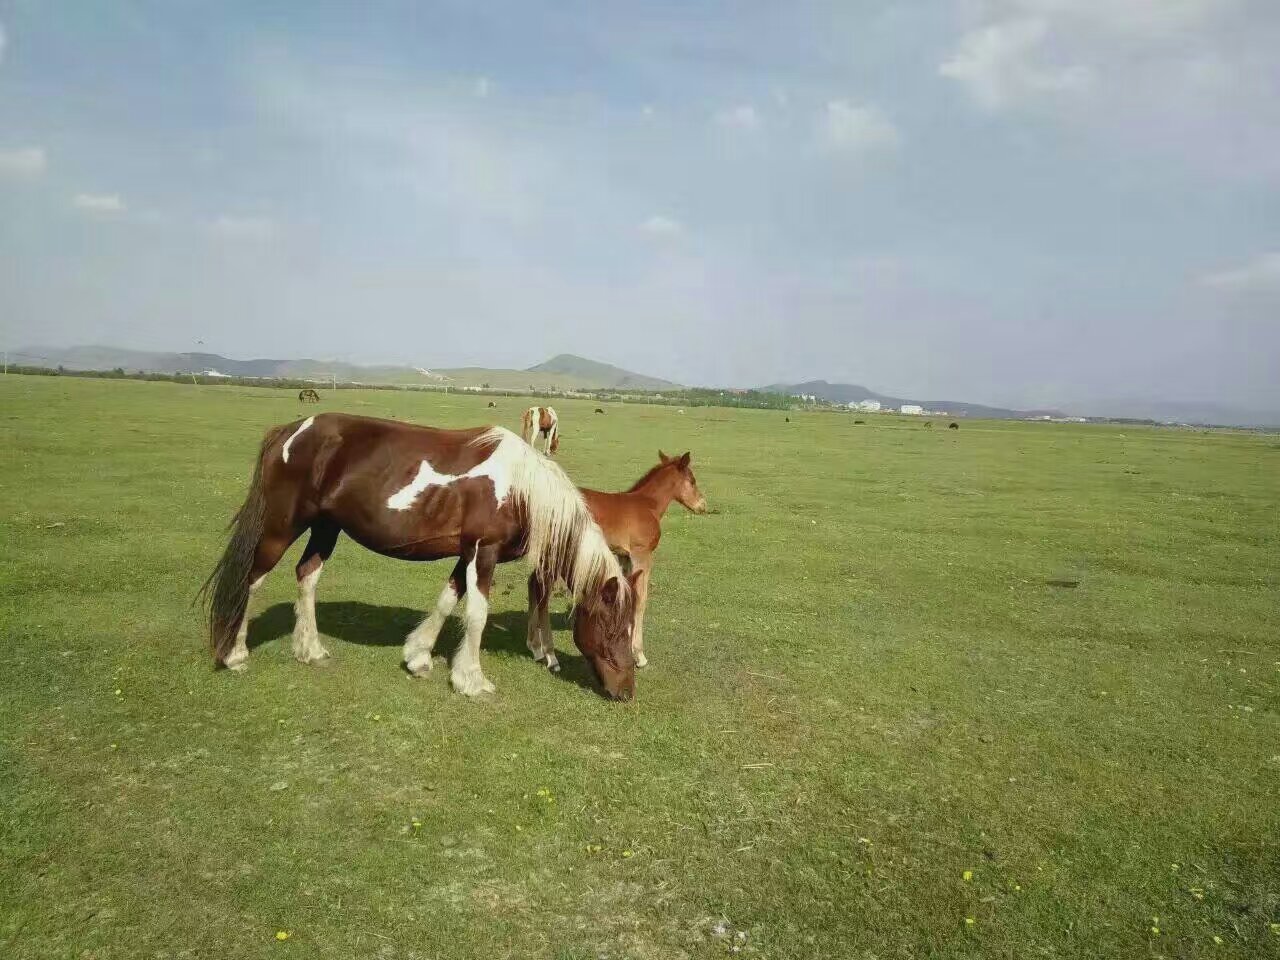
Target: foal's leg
<point>270,549</point>
<point>642,563</point>
<point>465,675</point>
<point>307,647</point>
<point>419,644</point>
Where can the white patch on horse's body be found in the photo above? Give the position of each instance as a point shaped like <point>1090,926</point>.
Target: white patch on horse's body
<point>419,644</point>
<point>307,647</point>
<point>466,675</point>
<point>288,443</point>
<point>497,466</point>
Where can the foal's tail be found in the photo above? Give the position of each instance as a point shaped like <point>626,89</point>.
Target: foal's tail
<point>226,592</point>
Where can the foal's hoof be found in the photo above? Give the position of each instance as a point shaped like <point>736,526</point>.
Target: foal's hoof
<point>641,661</point>
<point>239,666</point>
<point>312,656</point>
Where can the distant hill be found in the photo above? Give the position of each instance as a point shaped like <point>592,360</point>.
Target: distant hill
<point>564,372</point>
<point>594,372</point>
<point>852,392</point>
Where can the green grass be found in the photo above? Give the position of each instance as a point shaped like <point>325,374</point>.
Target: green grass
<point>862,687</point>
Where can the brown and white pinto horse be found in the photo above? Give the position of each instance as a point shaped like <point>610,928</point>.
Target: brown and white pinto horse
<point>632,523</point>
<point>417,493</point>
<point>541,422</point>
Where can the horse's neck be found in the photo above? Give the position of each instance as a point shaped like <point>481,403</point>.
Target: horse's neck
<point>659,489</point>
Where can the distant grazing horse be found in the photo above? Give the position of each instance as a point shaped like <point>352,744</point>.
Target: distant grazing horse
<point>928,424</point>
<point>541,422</point>
<point>308,396</point>
<point>632,523</point>
<point>492,404</point>
<point>417,493</point>
<point>599,410</point>
<point>953,425</point>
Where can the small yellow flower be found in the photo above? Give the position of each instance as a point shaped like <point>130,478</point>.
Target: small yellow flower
<point>1217,939</point>
<point>416,823</point>
<point>967,875</point>
<point>118,691</point>
<point>282,935</point>
<point>1173,867</point>
<point>968,921</point>
<point>1155,931</point>
<point>627,853</point>
<point>519,829</point>
<point>1275,928</point>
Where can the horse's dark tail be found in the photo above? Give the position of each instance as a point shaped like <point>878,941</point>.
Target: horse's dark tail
<point>226,592</point>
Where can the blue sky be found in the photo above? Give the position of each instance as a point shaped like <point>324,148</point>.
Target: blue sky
<point>1010,201</point>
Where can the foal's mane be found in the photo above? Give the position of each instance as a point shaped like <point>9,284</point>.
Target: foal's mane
<point>650,474</point>
<point>563,540</point>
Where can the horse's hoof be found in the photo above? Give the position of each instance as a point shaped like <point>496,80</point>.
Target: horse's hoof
<point>641,661</point>
<point>240,666</point>
<point>313,656</point>
<point>420,665</point>
<point>554,667</point>
<point>538,655</point>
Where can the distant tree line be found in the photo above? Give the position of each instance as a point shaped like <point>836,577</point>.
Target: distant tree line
<point>685,397</point>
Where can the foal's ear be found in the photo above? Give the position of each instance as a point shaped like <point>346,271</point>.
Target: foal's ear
<point>663,457</point>
<point>609,592</point>
<point>684,460</point>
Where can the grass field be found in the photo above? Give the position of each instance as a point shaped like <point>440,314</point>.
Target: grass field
<point>871,727</point>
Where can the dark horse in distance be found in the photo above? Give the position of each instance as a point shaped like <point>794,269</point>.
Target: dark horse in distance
<point>482,495</point>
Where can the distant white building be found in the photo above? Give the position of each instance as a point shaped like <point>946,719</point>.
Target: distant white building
<point>911,409</point>
<point>869,406</point>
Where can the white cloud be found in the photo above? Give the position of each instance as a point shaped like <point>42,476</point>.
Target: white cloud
<point>741,117</point>
<point>1260,273</point>
<point>482,87</point>
<point>98,202</point>
<point>859,129</point>
<point>662,226</point>
<point>1004,64</point>
<point>243,228</point>
<point>23,162</point>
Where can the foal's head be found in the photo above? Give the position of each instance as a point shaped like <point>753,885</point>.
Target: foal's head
<point>686,491</point>
<point>602,624</point>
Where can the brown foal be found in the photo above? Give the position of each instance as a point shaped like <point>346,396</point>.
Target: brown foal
<point>632,525</point>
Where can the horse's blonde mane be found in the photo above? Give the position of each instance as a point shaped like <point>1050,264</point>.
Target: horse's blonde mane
<point>564,542</point>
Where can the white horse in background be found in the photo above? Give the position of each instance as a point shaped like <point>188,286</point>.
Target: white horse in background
<point>541,422</point>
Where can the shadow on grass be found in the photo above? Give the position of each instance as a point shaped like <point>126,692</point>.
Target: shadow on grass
<point>369,625</point>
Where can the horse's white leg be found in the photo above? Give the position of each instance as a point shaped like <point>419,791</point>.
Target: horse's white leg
<point>307,647</point>
<point>539,624</point>
<point>238,658</point>
<point>419,644</point>
<point>466,675</point>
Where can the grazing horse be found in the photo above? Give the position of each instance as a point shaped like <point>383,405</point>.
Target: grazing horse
<point>953,425</point>
<point>417,493</point>
<point>492,404</point>
<point>541,422</point>
<point>599,409</point>
<point>632,523</point>
<point>308,396</point>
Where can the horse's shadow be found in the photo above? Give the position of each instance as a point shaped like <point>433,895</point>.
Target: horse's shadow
<point>350,621</point>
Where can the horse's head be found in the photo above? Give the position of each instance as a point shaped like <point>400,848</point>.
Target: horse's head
<point>686,490</point>
<point>602,624</point>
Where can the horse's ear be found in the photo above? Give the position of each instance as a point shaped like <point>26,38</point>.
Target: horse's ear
<point>684,460</point>
<point>609,592</point>
<point>663,457</point>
